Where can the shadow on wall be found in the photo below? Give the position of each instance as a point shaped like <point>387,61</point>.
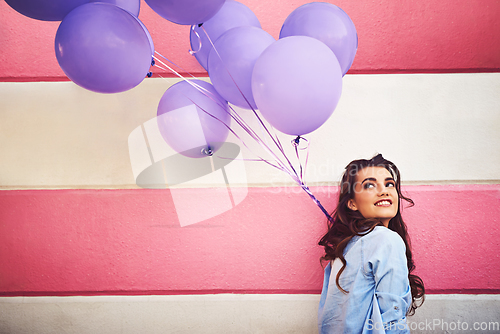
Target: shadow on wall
<point>221,176</point>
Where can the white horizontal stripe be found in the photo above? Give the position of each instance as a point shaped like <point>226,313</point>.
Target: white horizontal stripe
<point>225,313</point>
<point>436,127</point>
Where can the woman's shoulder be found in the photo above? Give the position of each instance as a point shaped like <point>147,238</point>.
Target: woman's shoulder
<point>383,236</point>
<point>383,232</point>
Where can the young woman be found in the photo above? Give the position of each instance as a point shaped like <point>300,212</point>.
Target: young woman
<point>368,282</point>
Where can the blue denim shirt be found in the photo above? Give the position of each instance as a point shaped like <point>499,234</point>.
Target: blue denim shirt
<point>376,277</point>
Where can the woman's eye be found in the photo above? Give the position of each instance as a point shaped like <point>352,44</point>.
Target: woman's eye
<point>390,184</point>
<point>369,185</point>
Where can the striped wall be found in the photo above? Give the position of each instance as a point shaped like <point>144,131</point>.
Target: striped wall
<point>83,248</point>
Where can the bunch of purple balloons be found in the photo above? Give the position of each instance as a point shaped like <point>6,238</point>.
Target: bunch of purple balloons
<point>295,82</point>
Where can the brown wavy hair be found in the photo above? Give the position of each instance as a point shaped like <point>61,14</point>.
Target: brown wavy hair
<point>345,223</point>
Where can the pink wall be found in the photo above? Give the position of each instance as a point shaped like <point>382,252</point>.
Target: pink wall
<point>394,36</point>
<point>66,242</point>
<point>58,242</point>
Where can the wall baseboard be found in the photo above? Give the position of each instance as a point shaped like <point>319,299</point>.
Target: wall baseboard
<point>224,313</point>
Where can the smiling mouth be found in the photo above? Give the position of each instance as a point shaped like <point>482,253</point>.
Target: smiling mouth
<point>384,202</point>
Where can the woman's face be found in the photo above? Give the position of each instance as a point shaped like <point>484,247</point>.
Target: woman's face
<point>375,194</point>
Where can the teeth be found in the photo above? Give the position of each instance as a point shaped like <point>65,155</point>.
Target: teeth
<point>383,203</point>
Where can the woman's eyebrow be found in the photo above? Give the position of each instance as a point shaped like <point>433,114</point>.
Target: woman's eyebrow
<point>375,180</point>
<point>369,179</point>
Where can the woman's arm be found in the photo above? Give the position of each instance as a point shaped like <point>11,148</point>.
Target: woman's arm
<point>386,262</point>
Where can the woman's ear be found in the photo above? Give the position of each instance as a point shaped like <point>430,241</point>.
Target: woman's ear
<point>351,205</point>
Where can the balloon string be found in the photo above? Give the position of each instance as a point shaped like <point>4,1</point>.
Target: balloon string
<point>192,52</point>
<point>257,138</point>
<point>308,191</point>
<point>290,170</point>
<point>171,62</point>
<point>296,143</point>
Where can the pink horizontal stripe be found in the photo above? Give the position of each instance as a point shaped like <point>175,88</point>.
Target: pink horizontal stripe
<point>439,36</point>
<point>88,242</point>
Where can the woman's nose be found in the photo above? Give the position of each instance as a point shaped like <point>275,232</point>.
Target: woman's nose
<point>382,190</point>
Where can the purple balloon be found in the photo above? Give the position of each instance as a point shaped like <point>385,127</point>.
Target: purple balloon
<point>327,23</point>
<point>186,12</point>
<point>45,10</point>
<point>232,14</point>
<point>297,83</point>
<point>103,48</point>
<point>231,73</point>
<point>133,6</point>
<point>191,121</point>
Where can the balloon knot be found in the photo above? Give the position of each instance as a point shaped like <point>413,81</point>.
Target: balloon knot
<point>153,62</point>
<point>207,151</point>
<point>199,25</point>
<point>150,74</point>
<point>296,141</point>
